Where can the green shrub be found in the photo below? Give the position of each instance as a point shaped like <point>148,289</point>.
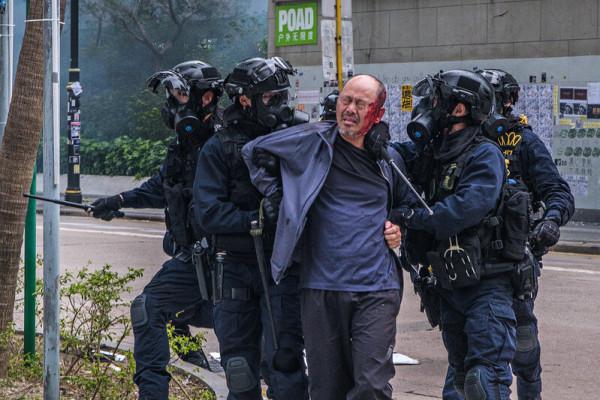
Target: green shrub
<point>123,156</point>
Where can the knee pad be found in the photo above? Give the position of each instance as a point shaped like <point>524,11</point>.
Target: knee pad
<point>239,376</point>
<point>526,339</point>
<point>139,315</point>
<point>473,385</point>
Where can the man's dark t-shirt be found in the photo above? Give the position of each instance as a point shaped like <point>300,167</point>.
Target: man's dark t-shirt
<point>344,248</point>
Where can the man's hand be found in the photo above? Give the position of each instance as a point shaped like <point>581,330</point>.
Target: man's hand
<point>106,207</point>
<point>392,235</point>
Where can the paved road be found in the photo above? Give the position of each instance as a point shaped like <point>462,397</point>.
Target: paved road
<point>567,306</point>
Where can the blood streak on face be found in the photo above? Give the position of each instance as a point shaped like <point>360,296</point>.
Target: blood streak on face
<point>374,113</point>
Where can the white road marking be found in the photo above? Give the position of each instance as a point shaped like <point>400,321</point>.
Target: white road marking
<point>574,270</point>
<point>107,226</point>
<point>132,234</point>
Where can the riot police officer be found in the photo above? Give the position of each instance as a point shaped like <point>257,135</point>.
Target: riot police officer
<point>227,204</point>
<point>193,90</point>
<point>530,163</point>
<point>329,103</point>
<point>462,174</point>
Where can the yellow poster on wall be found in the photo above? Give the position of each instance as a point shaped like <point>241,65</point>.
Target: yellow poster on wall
<point>406,103</point>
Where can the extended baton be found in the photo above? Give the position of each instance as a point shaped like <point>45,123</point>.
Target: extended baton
<point>256,233</point>
<point>86,207</point>
<point>390,161</point>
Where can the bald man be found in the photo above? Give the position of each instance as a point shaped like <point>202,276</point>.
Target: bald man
<point>333,222</point>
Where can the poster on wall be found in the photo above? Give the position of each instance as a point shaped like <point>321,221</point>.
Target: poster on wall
<point>573,101</point>
<point>593,98</point>
<point>536,102</point>
<point>577,157</point>
<point>398,105</point>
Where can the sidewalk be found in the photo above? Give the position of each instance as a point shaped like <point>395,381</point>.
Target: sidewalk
<point>576,237</point>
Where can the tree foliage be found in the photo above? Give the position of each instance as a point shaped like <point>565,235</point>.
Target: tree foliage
<point>124,42</point>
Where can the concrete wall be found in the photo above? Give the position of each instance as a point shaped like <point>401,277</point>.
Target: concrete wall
<point>398,31</point>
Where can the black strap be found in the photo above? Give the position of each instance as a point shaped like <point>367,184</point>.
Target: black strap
<point>242,294</point>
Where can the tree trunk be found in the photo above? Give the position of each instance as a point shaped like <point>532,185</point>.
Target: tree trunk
<point>17,156</point>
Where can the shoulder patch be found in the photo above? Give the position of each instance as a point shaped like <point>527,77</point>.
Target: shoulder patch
<point>523,120</point>
<point>511,139</point>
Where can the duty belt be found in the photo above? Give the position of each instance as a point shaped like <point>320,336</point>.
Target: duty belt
<point>183,254</point>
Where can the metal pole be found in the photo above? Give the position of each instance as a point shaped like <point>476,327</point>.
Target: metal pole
<point>11,41</point>
<point>30,270</point>
<point>4,74</point>
<point>51,211</point>
<point>73,192</point>
<point>338,43</point>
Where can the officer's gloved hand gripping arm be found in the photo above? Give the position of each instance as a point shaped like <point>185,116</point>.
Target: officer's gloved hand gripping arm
<point>216,214</point>
<point>476,195</point>
<point>552,189</point>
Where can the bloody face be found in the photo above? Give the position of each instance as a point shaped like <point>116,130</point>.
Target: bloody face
<point>358,106</point>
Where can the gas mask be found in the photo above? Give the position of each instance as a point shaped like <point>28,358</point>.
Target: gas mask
<point>495,125</point>
<point>189,120</point>
<point>272,110</point>
<point>425,122</point>
<point>433,113</point>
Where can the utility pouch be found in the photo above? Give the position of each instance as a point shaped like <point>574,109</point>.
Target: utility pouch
<point>415,245</point>
<point>439,269</point>
<point>177,214</point>
<point>515,229</point>
<point>525,277</point>
<point>462,260</point>
<point>425,285</point>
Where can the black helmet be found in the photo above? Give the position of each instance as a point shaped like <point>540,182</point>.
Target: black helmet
<point>505,85</point>
<point>439,96</point>
<point>190,78</point>
<point>258,75</point>
<point>329,104</point>
<point>459,86</point>
<point>200,75</point>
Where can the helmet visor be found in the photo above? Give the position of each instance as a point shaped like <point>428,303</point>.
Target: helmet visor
<point>274,98</point>
<point>424,87</point>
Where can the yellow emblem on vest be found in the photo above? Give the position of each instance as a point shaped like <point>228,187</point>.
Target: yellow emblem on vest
<point>523,119</point>
<point>510,139</point>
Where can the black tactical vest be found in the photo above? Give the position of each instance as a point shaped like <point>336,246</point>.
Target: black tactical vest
<point>241,191</point>
<point>178,181</point>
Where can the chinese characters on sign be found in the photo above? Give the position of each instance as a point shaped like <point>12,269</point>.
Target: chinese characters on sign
<point>407,98</point>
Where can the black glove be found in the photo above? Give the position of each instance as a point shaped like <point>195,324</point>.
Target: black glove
<point>266,160</point>
<point>270,205</point>
<point>546,233</point>
<point>401,215</point>
<point>377,140</point>
<point>106,207</point>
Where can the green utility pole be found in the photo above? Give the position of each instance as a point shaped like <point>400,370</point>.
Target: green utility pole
<point>30,266</point>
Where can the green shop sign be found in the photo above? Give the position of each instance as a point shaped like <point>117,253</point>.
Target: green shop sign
<point>295,24</point>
